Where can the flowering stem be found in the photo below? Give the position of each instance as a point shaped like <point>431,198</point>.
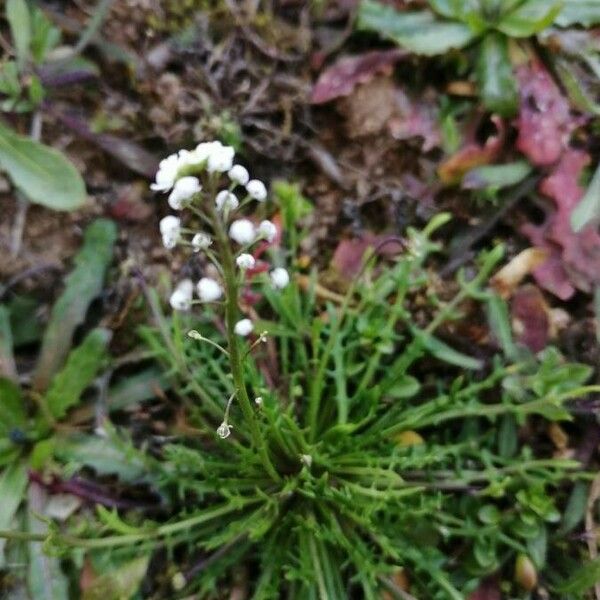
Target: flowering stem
<point>235,358</point>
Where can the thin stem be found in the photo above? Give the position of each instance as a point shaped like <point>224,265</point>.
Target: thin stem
<point>235,357</point>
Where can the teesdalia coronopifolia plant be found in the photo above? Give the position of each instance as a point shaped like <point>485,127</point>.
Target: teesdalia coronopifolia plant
<point>332,442</point>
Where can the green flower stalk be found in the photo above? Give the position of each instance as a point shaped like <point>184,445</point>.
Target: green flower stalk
<point>193,179</point>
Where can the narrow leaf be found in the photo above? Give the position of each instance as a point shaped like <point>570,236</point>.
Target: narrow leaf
<point>495,75</point>
<point>13,482</point>
<point>445,353</point>
<point>582,579</point>
<point>45,579</point>
<point>7,359</point>
<point>588,209</point>
<point>17,15</point>
<point>81,287</point>
<point>12,411</point>
<point>43,174</point>
<point>81,367</point>
<point>496,177</point>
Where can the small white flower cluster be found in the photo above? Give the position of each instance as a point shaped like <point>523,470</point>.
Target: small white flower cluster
<point>186,175</point>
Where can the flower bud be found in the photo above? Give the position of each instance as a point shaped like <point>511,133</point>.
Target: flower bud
<point>267,230</point>
<point>170,229</point>
<point>242,231</point>
<point>209,290</point>
<point>280,278</point>
<point>244,327</point>
<point>245,261</point>
<point>181,298</point>
<point>201,241</point>
<point>225,200</point>
<point>238,174</point>
<point>257,190</point>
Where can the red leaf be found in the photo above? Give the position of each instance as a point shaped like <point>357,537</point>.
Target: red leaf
<point>488,590</point>
<point>545,122</point>
<point>348,256</point>
<point>574,259</point>
<point>530,316</point>
<point>345,74</point>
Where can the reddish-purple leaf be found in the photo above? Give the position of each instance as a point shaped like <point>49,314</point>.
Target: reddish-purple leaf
<point>574,258</point>
<point>530,317</point>
<point>545,122</point>
<point>348,256</point>
<point>349,71</point>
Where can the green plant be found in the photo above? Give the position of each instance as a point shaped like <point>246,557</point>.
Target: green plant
<point>43,174</point>
<point>32,417</point>
<point>372,444</point>
<point>488,24</point>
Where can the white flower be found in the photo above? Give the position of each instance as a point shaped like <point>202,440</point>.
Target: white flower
<point>257,190</point>
<point>181,298</point>
<point>244,327</point>
<point>201,241</point>
<point>183,190</point>
<point>239,174</point>
<point>170,229</point>
<point>166,174</point>
<point>245,261</point>
<point>200,153</point>
<point>267,230</point>
<point>280,277</point>
<point>226,200</point>
<point>242,231</point>
<point>209,290</point>
<point>224,430</point>
<point>220,159</point>
<point>258,400</point>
